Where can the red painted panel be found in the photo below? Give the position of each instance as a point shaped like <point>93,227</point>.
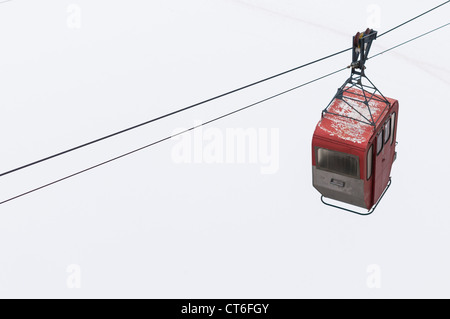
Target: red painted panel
<point>384,160</point>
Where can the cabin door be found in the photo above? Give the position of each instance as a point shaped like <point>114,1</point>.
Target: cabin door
<point>383,159</point>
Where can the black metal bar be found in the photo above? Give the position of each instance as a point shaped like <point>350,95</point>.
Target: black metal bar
<point>331,102</point>
<point>357,111</point>
<point>367,86</point>
<point>356,100</point>
<point>388,104</point>
<point>361,48</point>
<point>360,95</point>
<point>369,212</point>
<point>367,104</point>
<point>386,100</point>
<point>348,117</point>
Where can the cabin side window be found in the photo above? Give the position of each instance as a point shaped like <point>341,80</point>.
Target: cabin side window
<point>379,142</point>
<point>387,131</point>
<point>337,162</point>
<point>369,162</point>
<point>392,127</point>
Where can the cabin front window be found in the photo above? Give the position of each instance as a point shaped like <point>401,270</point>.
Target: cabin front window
<point>338,162</point>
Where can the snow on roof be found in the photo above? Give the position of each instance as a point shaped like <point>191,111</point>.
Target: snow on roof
<point>355,128</point>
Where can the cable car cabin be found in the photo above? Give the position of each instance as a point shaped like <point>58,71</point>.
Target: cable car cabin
<point>353,147</point>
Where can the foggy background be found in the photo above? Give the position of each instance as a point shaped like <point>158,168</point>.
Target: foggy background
<point>148,226</point>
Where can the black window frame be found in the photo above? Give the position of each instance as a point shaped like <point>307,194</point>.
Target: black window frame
<point>393,118</point>
<point>380,133</point>
<point>386,139</point>
<point>369,155</point>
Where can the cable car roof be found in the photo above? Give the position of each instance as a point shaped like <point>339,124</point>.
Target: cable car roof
<point>350,119</point>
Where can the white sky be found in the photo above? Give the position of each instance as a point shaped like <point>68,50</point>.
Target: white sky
<point>146,226</point>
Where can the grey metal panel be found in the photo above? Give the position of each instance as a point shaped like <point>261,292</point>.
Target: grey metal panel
<point>339,187</point>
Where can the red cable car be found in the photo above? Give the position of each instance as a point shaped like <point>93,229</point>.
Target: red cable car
<point>353,146</point>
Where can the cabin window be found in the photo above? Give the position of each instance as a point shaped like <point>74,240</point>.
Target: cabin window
<point>387,131</point>
<point>379,142</point>
<point>369,162</point>
<point>392,127</point>
<point>337,162</point>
